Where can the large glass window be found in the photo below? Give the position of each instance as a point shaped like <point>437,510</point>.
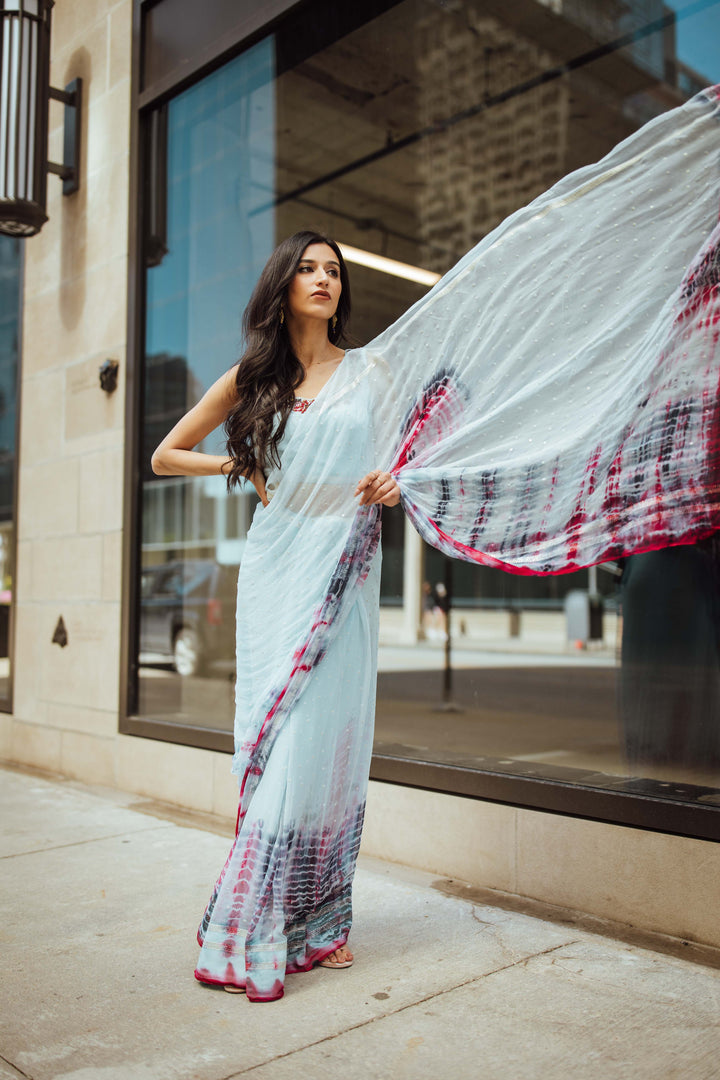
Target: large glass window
<point>216,144</point>
<point>410,130</point>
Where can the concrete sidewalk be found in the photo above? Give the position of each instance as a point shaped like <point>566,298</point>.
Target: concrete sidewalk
<point>101,896</point>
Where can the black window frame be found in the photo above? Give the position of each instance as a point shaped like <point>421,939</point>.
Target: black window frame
<point>643,804</point>
<point>7,703</point>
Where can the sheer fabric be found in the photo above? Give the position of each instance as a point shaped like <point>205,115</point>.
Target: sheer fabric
<point>305,704</point>
<point>564,375</point>
<point>552,402</point>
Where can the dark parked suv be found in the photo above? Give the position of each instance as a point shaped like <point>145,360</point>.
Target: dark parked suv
<point>187,614</point>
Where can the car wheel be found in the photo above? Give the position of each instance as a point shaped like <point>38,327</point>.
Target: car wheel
<point>186,652</point>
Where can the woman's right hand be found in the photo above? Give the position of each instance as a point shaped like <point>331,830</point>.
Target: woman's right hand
<point>378,486</point>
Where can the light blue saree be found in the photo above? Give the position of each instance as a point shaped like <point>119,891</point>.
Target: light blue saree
<point>305,702</point>
<point>551,403</point>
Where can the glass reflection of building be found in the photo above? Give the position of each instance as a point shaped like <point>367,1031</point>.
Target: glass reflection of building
<point>407,130</point>
<point>220,139</point>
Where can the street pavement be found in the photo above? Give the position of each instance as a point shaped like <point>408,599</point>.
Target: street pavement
<point>101,893</point>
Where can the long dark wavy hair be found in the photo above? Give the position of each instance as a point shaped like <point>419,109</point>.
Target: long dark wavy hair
<point>269,372</point>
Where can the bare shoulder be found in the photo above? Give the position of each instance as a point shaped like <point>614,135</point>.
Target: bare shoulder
<point>216,402</point>
<point>224,389</point>
<point>229,381</point>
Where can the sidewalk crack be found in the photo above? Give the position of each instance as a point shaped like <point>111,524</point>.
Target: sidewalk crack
<point>79,843</point>
<point>403,1008</point>
<point>15,1068</point>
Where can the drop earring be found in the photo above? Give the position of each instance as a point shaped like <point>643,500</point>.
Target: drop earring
<point>334,322</point>
<point>282,316</point>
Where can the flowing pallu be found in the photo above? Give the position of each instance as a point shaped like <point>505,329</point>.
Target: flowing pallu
<point>552,402</point>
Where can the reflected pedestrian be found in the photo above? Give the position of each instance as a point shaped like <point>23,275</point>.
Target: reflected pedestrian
<point>440,610</point>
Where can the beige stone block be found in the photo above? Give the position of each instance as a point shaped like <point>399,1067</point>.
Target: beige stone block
<point>6,729</point>
<point>120,46</point>
<point>98,442</point>
<point>86,671</point>
<point>83,721</point>
<point>668,884</point>
<point>41,423</point>
<point>82,317</point>
<point>112,553</point>
<point>49,499</point>
<point>167,771</point>
<point>87,757</point>
<point>27,706</point>
<point>23,572</point>
<point>44,346</point>
<point>69,216</point>
<point>107,212</point>
<point>88,60</point>
<point>93,229</point>
<point>33,744</point>
<point>43,263</point>
<point>69,568</point>
<point>101,492</point>
<point>32,636</point>
<point>73,24</point>
<point>88,408</point>
<point>444,834</point>
<point>84,58</point>
<point>225,787</point>
<point>108,137</point>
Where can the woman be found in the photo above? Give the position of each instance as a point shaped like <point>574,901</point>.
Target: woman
<point>296,315</point>
<point>552,402</point>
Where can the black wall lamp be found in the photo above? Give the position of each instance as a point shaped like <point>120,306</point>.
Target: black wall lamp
<point>25,94</point>
<point>109,375</point>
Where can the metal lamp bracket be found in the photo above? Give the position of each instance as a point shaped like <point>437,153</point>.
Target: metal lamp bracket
<point>69,171</point>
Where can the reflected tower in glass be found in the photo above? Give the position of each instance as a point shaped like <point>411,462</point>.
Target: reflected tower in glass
<point>217,154</point>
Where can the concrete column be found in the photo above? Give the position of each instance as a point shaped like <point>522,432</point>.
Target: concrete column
<point>592,580</point>
<point>413,569</point>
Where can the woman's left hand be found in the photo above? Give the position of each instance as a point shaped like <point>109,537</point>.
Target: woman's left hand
<point>378,487</point>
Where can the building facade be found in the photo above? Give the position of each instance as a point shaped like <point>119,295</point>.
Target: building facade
<point>407,130</point>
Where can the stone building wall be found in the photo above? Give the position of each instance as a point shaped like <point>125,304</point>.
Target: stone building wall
<point>70,496</point>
